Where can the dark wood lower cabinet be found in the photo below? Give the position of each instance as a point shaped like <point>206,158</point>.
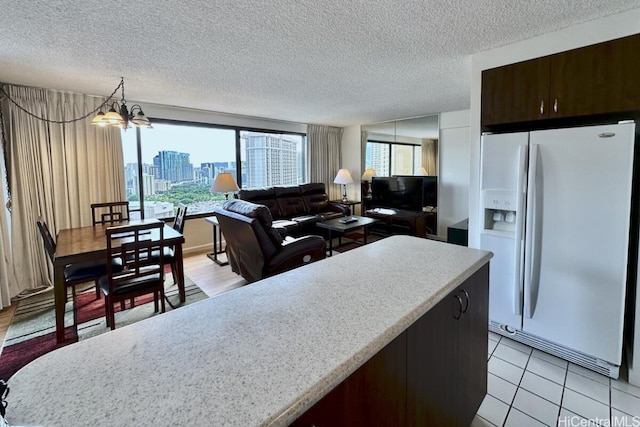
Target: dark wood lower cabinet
<point>433,374</point>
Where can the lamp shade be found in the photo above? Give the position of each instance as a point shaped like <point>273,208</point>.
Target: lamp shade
<point>343,177</point>
<point>368,174</point>
<point>421,171</point>
<point>224,183</point>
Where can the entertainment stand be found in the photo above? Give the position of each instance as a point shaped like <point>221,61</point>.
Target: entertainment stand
<point>398,221</point>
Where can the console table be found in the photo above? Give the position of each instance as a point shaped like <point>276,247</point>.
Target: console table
<point>397,221</point>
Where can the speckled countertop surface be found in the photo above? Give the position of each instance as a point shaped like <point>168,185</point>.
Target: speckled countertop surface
<point>258,355</point>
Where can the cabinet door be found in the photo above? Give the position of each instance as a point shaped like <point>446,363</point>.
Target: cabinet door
<point>447,357</point>
<point>471,352</point>
<point>515,93</point>
<point>597,79</point>
<point>431,366</point>
<point>374,395</point>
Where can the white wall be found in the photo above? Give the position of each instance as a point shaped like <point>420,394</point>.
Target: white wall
<point>608,28</point>
<point>453,186</point>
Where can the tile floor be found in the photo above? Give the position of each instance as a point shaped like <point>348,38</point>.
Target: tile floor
<point>527,387</point>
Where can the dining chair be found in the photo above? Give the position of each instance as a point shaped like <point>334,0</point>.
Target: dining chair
<point>110,212</point>
<point>169,253</point>
<point>75,274</point>
<point>134,244</point>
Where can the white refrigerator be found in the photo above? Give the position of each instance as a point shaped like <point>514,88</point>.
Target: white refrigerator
<point>555,211</point>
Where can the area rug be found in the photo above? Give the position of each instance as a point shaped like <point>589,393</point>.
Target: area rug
<point>354,240</point>
<point>32,330</point>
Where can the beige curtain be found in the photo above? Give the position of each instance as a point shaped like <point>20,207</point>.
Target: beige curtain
<point>56,171</point>
<point>430,156</point>
<point>8,284</point>
<point>325,156</point>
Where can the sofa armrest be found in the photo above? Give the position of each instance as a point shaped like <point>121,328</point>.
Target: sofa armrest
<point>296,252</point>
<point>336,207</point>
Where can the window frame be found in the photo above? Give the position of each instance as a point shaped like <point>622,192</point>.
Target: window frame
<point>390,152</point>
<point>238,177</point>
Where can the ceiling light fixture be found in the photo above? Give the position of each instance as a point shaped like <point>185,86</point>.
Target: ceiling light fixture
<point>120,116</point>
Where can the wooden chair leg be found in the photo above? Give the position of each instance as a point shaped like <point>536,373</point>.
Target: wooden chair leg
<point>98,292</point>
<point>162,299</point>
<point>112,316</point>
<point>174,268</point>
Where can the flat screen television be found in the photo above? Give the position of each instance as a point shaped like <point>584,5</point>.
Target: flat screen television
<point>410,193</point>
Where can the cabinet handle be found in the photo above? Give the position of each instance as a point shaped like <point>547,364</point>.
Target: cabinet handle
<point>459,315</point>
<point>466,297</point>
<point>555,106</point>
<point>542,107</point>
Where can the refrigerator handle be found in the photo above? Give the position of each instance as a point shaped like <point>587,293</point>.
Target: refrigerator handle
<point>530,232</point>
<point>518,243</point>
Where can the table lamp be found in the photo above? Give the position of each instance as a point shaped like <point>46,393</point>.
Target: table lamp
<point>224,183</point>
<point>421,171</point>
<point>366,181</point>
<point>343,177</point>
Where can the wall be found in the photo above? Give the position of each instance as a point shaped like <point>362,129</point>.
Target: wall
<point>608,28</point>
<point>453,186</point>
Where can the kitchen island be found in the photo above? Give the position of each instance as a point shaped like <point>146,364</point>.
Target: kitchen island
<point>270,352</point>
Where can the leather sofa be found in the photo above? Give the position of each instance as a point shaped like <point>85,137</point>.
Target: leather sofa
<point>257,250</point>
<point>295,210</point>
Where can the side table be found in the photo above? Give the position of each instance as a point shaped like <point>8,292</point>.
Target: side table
<point>349,203</point>
<point>217,241</point>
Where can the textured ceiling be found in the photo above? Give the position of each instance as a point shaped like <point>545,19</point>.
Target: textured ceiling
<point>337,62</point>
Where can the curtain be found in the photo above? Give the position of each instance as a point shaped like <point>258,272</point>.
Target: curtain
<point>325,155</point>
<point>56,171</point>
<point>7,280</point>
<point>430,156</point>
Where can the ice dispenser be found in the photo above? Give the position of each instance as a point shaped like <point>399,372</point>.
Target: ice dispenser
<point>500,210</point>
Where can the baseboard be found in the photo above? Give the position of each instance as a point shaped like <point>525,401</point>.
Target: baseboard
<point>197,249</point>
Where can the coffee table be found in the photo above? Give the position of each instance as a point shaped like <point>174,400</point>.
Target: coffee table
<point>335,225</point>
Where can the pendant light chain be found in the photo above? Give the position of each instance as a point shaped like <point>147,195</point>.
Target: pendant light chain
<point>121,85</point>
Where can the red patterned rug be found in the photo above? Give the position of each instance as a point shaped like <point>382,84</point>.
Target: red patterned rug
<point>32,330</point>
<point>354,240</point>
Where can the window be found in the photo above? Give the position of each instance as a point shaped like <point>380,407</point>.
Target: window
<point>179,163</point>
<point>272,159</point>
<point>392,158</point>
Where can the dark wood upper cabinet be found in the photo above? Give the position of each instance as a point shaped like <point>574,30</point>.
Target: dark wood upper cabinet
<point>591,81</point>
<point>516,93</point>
<point>597,79</point>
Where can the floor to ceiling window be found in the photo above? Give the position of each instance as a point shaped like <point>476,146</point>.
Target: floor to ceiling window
<point>178,162</point>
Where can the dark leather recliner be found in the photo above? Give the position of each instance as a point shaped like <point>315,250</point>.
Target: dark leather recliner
<point>256,249</point>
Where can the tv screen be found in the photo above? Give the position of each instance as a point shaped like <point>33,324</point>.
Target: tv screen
<point>404,192</point>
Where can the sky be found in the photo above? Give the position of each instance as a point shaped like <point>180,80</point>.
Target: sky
<point>203,144</point>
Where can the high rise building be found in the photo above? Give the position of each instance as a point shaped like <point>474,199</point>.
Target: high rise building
<point>173,166</point>
<point>271,159</point>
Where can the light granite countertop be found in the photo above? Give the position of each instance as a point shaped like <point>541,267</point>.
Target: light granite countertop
<point>258,355</point>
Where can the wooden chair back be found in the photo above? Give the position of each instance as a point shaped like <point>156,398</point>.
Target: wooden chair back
<point>49,242</point>
<point>135,244</point>
<point>110,212</point>
<point>178,224</point>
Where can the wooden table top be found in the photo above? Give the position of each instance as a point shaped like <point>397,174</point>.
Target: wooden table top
<point>89,243</point>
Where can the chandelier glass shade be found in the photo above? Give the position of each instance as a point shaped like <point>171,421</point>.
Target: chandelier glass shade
<point>120,116</point>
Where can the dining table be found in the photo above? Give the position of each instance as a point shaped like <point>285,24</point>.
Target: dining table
<point>81,244</point>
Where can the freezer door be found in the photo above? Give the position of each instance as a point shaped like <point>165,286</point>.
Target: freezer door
<point>579,197</point>
<point>503,180</point>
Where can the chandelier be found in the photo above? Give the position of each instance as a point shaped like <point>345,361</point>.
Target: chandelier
<point>120,116</point>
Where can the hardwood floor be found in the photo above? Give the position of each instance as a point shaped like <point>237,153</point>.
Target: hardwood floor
<point>209,276</point>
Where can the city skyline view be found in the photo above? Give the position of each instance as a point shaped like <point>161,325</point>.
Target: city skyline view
<point>180,163</point>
